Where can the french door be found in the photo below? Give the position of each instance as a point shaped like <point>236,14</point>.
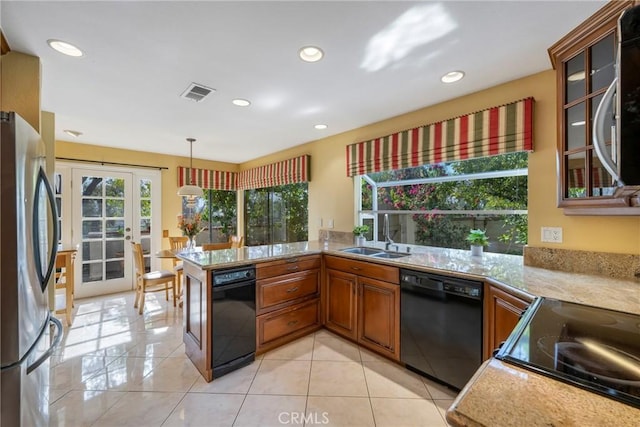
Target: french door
<point>109,209</point>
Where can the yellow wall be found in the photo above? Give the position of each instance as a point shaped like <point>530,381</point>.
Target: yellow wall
<point>331,192</point>
<point>171,203</point>
<point>20,86</point>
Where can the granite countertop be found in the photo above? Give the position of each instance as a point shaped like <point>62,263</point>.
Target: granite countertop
<point>506,271</point>
<point>499,394</point>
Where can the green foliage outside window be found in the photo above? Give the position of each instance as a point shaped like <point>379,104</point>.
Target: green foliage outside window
<point>450,230</point>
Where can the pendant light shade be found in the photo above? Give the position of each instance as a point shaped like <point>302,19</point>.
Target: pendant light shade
<point>190,191</point>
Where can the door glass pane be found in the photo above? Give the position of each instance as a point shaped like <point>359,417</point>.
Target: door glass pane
<point>115,228</point>
<point>92,229</point>
<point>114,187</point>
<point>145,208</point>
<point>608,118</point>
<point>146,246</point>
<point>145,227</point>
<point>115,249</point>
<point>602,63</point>
<point>115,269</point>
<point>91,208</point>
<point>575,73</point>
<point>602,181</point>
<point>114,208</point>
<point>145,188</point>
<point>92,251</point>
<point>91,186</point>
<point>576,126</point>
<point>92,272</point>
<point>576,179</point>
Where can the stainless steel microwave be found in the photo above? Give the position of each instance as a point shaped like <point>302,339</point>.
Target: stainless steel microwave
<point>621,157</point>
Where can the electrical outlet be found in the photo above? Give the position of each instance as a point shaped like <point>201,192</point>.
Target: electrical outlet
<point>165,233</point>
<point>330,223</point>
<point>552,234</point>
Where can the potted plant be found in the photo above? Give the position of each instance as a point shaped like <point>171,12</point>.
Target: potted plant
<point>359,231</point>
<point>478,240</point>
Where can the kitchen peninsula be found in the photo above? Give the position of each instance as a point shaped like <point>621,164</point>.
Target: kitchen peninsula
<point>506,273</point>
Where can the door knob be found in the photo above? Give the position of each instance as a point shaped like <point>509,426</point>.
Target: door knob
<point>127,238</point>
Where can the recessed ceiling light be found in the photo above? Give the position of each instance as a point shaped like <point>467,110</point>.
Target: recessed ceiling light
<point>311,54</point>
<point>321,126</point>
<point>577,76</point>
<point>452,76</point>
<point>73,133</point>
<point>241,102</point>
<point>65,48</point>
<point>580,123</point>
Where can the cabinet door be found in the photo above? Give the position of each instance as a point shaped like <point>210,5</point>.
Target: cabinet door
<point>379,316</point>
<point>585,66</point>
<point>502,313</point>
<point>340,303</point>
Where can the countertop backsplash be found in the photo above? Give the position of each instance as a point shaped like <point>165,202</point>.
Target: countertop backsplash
<point>615,266</point>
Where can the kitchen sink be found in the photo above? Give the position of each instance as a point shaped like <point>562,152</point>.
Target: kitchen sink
<point>373,252</point>
<point>362,251</point>
<point>389,255</point>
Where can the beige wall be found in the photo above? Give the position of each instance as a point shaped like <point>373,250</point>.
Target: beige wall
<point>171,203</point>
<point>331,192</point>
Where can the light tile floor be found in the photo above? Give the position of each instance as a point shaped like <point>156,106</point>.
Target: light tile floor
<point>118,368</point>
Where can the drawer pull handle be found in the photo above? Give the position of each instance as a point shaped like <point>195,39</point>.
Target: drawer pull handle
<point>292,268</point>
<point>292,260</point>
<point>292,323</point>
<point>355,268</point>
<point>294,289</point>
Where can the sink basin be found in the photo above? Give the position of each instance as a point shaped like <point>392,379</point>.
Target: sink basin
<point>389,255</point>
<point>362,251</point>
<point>373,252</point>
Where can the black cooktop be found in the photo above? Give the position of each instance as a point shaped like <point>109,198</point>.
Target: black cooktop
<point>590,347</point>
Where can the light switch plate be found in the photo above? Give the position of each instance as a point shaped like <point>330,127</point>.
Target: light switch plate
<point>330,223</point>
<point>552,234</point>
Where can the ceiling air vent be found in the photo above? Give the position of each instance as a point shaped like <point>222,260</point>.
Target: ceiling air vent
<point>196,92</point>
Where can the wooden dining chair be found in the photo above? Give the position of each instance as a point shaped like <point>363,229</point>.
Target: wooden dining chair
<point>177,243</point>
<point>236,242</point>
<point>148,282</point>
<point>216,246</point>
<point>64,283</point>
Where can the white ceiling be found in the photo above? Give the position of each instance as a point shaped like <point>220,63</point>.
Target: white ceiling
<point>382,59</point>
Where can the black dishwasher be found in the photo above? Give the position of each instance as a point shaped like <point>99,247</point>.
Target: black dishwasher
<point>233,319</point>
<point>441,326</point>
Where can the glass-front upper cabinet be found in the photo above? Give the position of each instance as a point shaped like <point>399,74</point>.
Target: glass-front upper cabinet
<point>585,64</point>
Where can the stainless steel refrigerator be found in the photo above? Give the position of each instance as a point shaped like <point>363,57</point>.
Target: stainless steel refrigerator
<point>28,243</point>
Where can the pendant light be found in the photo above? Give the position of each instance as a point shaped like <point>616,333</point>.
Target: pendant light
<point>190,191</point>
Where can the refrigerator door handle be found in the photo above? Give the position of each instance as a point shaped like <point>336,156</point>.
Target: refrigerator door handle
<point>44,276</point>
<point>51,349</point>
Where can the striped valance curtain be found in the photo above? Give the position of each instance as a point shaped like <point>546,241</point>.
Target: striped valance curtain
<point>207,179</point>
<point>498,130</point>
<point>289,171</point>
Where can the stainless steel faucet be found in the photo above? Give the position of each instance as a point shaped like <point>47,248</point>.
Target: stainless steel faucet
<point>387,237</point>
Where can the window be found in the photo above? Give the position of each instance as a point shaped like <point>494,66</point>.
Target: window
<point>219,211</point>
<point>276,214</point>
<point>437,204</point>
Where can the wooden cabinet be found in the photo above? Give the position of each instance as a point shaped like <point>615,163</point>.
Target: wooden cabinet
<point>502,312</point>
<point>287,300</point>
<point>584,61</point>
<point>197,318</point>
<point>362,303</point>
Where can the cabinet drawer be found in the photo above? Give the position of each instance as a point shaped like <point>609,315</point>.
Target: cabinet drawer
<point>363,268</point>
<point>286,266</point>
<point>276,291</point>
<point>281,323</point>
